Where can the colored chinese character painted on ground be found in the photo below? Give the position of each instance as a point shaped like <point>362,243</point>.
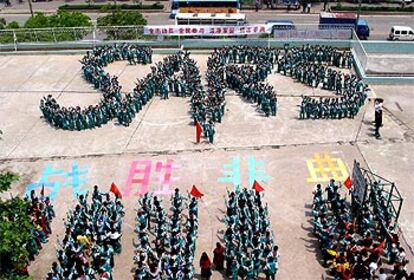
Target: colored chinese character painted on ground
<point>323,168</point>
<point>53,179</point>
<point>140,174</point>
<point>232,172</point>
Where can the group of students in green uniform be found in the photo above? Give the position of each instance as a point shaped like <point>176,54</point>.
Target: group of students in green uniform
<point>166,242</point>
<point>312,65</point>
<point>249,239</point>
<point>177,74</point>
<point>113,104</point>
<point>354,236</point>
<point>180,75</point>
<point>92,239</point>
<point>248,79</point>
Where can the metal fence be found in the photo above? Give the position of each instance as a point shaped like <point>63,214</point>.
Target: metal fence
<point>18,37</point>
<point>359,51</point>
<point>81,38</point>
<point>71,34</point>
<point>314,31</point>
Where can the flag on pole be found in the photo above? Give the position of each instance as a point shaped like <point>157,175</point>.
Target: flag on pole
<point>42,191</point>
<point>195,192</point>
<point>257,187</point>
<point>114,189</point>
<point>348,183</point>
<point>199,130</point>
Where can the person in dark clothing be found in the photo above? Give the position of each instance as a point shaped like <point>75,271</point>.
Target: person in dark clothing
<point>378,116</point>
<point>218,258</point>
<point>205,265</point>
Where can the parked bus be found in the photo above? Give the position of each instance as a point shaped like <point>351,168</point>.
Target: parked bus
<point>210,19</point>
<point>204,6</point>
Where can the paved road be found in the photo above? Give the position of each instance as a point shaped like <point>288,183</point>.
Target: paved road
<point>380,24</point>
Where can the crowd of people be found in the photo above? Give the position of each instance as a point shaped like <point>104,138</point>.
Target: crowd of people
<point>358,240</point>
<point>166,242</point>
<point>246,80</point>
<point>113,104</point>
<point>41,213</point>
<point>312,65</point>
<point>177,74</point>
<point>249,239</point>
<point>241,68</point>
<point>92,239</point>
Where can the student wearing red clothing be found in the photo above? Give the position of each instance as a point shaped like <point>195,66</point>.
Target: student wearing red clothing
<point>205,265</point>
<point>218,258</point>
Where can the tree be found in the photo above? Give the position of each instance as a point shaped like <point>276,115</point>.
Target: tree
<point>2,23</point>
<point>122,18</point>
<point>40,20</point>
<point>61,19</point>
<point>6,179</point>
<point>13,25</point>
<point>15,231</point>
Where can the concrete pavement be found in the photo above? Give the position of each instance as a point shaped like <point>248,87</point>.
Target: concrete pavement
<point>280,146</point>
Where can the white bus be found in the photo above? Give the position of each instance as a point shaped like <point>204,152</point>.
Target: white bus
<point>210,19</point>
<point>204,6</point>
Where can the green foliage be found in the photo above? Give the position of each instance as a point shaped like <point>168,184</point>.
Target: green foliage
<point>109,7</point>
<point>2,23</point>
<point>6,179</point>
<point>122,18</point>
<point>373,9</point>
<point>40,20</point>
<point>15,231</point>
<point>13,25</point>
<point>61,19</point>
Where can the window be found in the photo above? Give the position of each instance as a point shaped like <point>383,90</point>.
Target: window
<point>397,32</point>
<point>404,32</point>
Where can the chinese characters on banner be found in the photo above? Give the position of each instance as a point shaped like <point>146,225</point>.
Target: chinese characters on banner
<point>206,30</point>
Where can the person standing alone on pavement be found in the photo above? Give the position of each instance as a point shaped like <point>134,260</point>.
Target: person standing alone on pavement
<point>378,116</point>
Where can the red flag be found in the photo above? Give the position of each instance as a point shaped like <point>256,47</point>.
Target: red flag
<point>114,189</point>
<point>199,130</point>
<point>195,192</point>
<point>42,191</point>
<point>348,183</point>
<point>257,187</point>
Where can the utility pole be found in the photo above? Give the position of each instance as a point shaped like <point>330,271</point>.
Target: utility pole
<point>358,14</point>
<point>30,7</point>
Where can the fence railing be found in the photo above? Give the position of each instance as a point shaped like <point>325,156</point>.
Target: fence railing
<point>360,51</point>
<point>71,34</point>
<point>122,33</point>
<point>315,31</point>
